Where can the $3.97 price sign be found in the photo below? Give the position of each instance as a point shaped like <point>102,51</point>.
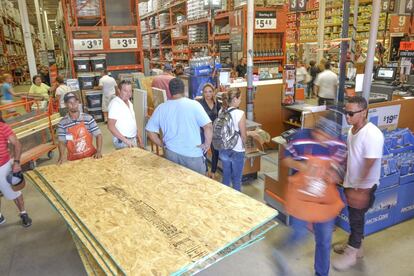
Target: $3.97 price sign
<point>123,43</point>
<point>88,44</point>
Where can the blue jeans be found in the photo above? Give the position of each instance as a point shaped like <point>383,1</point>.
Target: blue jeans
<point>323,237</point>
<point>197,164</point>
<point>233,162</point>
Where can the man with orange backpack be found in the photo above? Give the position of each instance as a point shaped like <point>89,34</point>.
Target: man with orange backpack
<point>317,157</point>
<point>76,131</point>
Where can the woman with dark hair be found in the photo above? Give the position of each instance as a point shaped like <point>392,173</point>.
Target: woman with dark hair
<point>212,108</point>
<point>233,159</point>
<point>39,89</point>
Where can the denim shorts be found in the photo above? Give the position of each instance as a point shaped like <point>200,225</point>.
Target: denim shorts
<point>118,144</point>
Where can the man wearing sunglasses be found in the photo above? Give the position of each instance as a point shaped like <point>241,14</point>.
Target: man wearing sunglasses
<point>365,145</point>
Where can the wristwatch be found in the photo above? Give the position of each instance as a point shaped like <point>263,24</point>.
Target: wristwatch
<point>16,161</point>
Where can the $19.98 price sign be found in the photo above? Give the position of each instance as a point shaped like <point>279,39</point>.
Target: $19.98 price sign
<point>385,117</point>
<point>88,44</point>
<point>123,43</point>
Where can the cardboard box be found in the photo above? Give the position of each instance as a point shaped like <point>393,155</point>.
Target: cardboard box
<point>389,181</point>
<point>405,206</point>
<point>382,215</point>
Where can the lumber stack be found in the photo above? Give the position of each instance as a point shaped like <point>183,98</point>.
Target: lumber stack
<point>135,213</point>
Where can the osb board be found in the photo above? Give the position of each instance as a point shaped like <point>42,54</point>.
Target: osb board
<point>146,84</point>
<point>90,264</point>
<point>153,216</point>
<point>103,262</point>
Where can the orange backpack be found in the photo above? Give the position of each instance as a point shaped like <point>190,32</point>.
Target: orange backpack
<point>312,196</point>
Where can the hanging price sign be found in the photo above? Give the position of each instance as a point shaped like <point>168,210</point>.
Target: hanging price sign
<point>123,43</point>
<point>265,20</point>
<point>88,44</point>
<point>297,5</point>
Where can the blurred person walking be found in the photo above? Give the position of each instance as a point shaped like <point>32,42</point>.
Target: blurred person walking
<point>365,146</point>
<point>317,157</point>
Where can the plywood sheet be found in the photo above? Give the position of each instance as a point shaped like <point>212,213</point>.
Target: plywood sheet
<point>155,217</point>
<point>102,262</point>
<point>146,84</point>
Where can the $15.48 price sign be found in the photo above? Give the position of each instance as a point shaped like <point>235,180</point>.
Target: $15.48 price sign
<point>88,44</point>
<point>123,43</point>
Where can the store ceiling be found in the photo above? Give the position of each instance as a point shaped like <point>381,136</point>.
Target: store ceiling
<point>50,6</point>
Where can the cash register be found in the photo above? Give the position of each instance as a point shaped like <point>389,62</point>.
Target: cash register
<point>383,85</point>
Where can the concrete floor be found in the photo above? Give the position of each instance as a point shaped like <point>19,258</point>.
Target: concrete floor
<point>46,248</point>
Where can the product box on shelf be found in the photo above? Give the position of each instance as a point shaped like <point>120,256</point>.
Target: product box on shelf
<point>405,206</point>
<point>382,215</point>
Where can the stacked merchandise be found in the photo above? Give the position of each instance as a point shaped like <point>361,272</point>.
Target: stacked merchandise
<point>394,201</point>
<point>152,6</point>
<point>196,10</point>
<point>142,8</point>
<point>155,40</point>
<point>88,69</point>
<point>88,7</point>
<point>181,240</point>
<point>144,26</point>
<point>154,23</point>
<point>198,34</point>
<point>164,20</point>
<point>146,42</point>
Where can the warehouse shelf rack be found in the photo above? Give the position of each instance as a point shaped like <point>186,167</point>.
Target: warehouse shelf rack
<point>78,27</point>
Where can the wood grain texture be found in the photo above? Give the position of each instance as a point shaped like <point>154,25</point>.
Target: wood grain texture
<point>152,216</point>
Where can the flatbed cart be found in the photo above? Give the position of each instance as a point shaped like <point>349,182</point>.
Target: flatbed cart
<point>31,121</point>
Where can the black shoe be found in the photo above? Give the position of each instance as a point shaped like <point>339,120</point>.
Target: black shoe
<point>26,221</point>
<point>2,219</point>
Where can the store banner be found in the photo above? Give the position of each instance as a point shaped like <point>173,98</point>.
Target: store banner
<point>265,20</point>
<point>53,71</point>
<point>385,117</point>
<point>87,40</point>
<point>407,49</point>
<point>400,24</point>
<point>123,39</point>
<point>388,6</point>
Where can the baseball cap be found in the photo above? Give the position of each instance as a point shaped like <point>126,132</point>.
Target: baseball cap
<point>69,96</point>
<point>168,67</point>
<point>15,178</point>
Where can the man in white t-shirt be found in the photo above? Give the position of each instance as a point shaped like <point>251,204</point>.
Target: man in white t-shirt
<point>365,146</point>
<point>108,86</point>
<point>121,119</point>
<point>326,84</point>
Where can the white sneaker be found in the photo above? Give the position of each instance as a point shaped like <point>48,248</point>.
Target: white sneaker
<point>346,260</point>
<point>340,249</point>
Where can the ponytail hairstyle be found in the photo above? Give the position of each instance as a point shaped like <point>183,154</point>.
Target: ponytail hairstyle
<point>228,96</point>
<point>212,87</point>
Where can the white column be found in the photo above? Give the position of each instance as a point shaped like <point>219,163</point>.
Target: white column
<point>50,45</point>
<point>250,31</point>
<point>369,63</point>
<point>40,25</point>
<point>28,44</point>
<point>321,29</point>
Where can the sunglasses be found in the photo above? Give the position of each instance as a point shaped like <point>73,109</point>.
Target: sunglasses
<point>352,113</point>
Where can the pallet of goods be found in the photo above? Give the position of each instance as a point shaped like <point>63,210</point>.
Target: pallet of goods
<point>135,213</point>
